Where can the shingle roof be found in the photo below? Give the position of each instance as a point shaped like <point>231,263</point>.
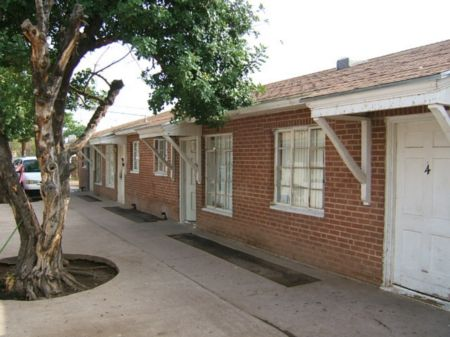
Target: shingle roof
<point>405,65</point>
<point>148,121</point>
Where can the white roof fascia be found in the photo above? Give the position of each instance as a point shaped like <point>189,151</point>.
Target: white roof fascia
<point>127,131</point>
<point>183,129</point>
<point>150,131</point>
<point>108,139</point>
<point>424,91</point>
<point>268,107</point>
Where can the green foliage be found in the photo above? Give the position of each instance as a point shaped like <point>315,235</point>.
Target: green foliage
<point>16,111</point>
<point>71,126</point>
<point>202,62</point>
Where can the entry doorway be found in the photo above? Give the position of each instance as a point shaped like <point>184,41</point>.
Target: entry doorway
<point>188,194</point>
<point>421,216</point>
<point>121,172</point>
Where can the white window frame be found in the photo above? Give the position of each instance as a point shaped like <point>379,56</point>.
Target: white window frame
<point>288,207</point>
<point>110,169</point>
<point>98,168</point>
<point>214,208</point>
<point>159,168</point>
<point>135,157</point>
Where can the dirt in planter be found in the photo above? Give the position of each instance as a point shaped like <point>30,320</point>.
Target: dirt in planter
<point>90,271</point>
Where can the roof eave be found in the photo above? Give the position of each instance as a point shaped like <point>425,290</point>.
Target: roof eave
<point>267,107</point>
<point>433,89</point>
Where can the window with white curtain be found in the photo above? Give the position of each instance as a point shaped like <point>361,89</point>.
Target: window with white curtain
<point>219,172</point>
<point>110,166</point>
<point>161,148</point>
<point>299,167</point>
<point>135,157</point>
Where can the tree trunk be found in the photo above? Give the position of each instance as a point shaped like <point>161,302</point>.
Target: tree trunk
<point>23,211</point>
<point>39,270</point>
<point>23,145</point>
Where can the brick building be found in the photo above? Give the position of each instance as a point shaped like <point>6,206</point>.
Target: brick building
<point>345,169</point>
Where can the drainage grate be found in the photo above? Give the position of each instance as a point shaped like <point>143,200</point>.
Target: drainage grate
<point>274,272</point>
<point>133,214</point>
<point>88,198</point>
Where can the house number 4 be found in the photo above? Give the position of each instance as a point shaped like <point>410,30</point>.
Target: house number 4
<point>427,169</point>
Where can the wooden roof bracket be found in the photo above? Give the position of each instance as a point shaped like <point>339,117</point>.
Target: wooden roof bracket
<point>185,158</point>
<point>442,116</point>
<point>363,174</point>
<point>170,166</point>
<point>82,155</point>
<point>99,152</point>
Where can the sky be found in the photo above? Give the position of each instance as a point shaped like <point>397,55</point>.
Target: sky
<point>301,37</point>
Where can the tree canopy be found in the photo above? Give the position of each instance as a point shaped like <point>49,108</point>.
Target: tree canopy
<point>198,48</point>
<point>201,65</point>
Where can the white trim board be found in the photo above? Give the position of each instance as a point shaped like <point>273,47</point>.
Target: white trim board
<point>182,129</point>
<point>411,93</point>
<point>105,140</point>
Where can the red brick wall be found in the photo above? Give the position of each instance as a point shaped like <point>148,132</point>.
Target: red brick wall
<point>154,194</point>
<point>101,189</point>
<point>348,240</point>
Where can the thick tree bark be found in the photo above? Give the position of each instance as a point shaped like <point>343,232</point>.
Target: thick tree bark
<point>24,215</point>
<point>40,270</point>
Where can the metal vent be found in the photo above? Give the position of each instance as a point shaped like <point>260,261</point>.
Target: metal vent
<point>343,63</point>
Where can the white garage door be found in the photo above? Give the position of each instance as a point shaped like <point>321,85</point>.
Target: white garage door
<point>422,218</point>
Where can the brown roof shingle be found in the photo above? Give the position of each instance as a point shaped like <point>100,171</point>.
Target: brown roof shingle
<point>147,121</point>
<point>405,65</point>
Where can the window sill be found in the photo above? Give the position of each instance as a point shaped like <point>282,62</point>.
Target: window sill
<point>98,184</point>
<point>319,213</point>
<point>160,174</point>
<point>134,172</point>
<point>218,211</point>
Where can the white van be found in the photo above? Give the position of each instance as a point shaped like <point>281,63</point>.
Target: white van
<point>29,173</point>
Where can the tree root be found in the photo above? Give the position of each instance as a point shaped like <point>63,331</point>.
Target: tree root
<point>70,281</point>
<point>40,284</point>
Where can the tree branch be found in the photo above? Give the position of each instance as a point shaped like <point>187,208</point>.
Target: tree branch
<point>99,113</point>
<point>85,94</point>
<point>38,45</point>
<point>96,72</point>
<point>102,77</point>
<point>71,37</point>
<point>43,8</point>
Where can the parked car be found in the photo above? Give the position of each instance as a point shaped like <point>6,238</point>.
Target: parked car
<point>29,174</point>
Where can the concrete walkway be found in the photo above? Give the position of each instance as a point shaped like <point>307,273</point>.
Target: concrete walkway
<point>167,288</point>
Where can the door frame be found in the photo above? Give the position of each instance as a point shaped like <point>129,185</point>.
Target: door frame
<point>390,207</point>
<point>182,190</point>
<point>121,171</point>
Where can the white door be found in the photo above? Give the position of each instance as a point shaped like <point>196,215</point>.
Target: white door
<point>422,217</point>
<point>188,188</point>
<point>121,171</point>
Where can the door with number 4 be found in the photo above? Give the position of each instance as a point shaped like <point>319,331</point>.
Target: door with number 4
<point>422,216</point>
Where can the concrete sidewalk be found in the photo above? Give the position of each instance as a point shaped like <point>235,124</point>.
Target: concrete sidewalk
<point>167,288</point>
